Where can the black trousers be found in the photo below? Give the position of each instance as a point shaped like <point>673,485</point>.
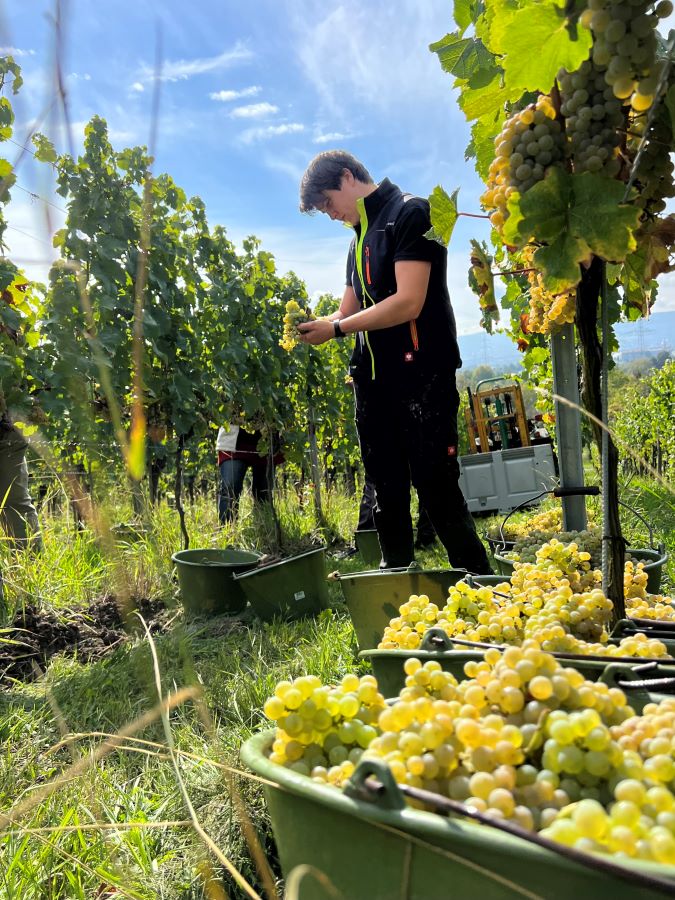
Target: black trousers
<point>408,433</point>
<point>425,530</point>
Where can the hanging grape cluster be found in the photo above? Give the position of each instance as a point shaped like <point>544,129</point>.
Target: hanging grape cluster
<point>547,311</point>
<point>594,119</point>
<point>530,142</point>
<point>295,315</point>
<point>625,45</point>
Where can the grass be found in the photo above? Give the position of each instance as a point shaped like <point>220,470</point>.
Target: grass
<point>235,664</point>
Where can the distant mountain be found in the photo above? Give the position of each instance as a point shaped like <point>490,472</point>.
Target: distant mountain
<point>646,337</point>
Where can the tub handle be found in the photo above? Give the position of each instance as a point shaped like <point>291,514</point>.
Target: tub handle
<point>386,794</point>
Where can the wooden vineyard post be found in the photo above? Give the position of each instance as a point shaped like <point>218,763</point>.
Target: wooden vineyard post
<point>568,425</point>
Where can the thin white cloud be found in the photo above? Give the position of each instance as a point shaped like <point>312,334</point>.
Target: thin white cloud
<point>330,137</point>
<point>15,51</point>
<point>227,96</point>
<point>138,87</point>
<point>182,69</point>
<point>254,111</point>
<point>252,135</point>
<point>389,70</point>
<point>77,76</point>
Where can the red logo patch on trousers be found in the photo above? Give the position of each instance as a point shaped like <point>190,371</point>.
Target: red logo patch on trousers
<point>452,451</point>
<point>408,357</point>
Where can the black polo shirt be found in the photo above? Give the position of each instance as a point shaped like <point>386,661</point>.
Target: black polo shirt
<point>392,228</point>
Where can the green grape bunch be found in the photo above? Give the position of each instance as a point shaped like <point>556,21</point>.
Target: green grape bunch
<point>530,142</point>
<point>625,47</point>
<point>295,315</point>
<point>594,119</point>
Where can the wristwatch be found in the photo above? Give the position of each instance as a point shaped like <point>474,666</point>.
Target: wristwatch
<point>337,331</point>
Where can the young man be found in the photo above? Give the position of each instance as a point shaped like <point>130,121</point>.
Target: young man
<point>405,357</point>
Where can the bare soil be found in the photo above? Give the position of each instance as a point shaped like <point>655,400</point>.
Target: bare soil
<point>36,634</point>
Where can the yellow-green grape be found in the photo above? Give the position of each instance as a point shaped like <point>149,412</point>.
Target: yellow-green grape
<point>547,311</point>
<point>594,117</point>
<point>548,520</point>
<point>624,52</point>
<point>530,142</point>
<point>556,601</point>
<point>522,738</point>
<point>322,731</point>
<point>406,630</point>
<point>294,316</point>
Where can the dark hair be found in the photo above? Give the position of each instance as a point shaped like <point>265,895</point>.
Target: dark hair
<point>324,173</point>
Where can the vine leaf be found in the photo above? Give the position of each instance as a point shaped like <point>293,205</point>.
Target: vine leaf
<point>575,216</point>
<point>44,149</point>
<point>486,98</point>
<point>535,42</point>
<point>647,262</point>
<point>482,283</point>
<point>483,133</point>
<point>443,215</point>
<point>461,57</point>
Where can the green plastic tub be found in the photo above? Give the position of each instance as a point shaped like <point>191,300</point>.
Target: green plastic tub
<point>357,850</point>
<point>374,597</point>
<point>206,579</point>
<point>653,559</point>
<point>288,589</point>
<point>368,545</point>
<point>387,665</point>
<point>652,628</point>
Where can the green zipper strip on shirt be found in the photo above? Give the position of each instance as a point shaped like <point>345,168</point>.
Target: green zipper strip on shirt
<point>360,205</point>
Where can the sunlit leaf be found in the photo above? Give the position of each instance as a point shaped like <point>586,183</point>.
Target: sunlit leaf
<point>443,215</point>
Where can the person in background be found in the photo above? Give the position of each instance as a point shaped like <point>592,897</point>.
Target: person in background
<point>405,357</point>
<point>238,450</point>
<point>18,515</point>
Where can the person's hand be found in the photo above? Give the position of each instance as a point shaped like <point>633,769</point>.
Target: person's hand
<point>317,332</point>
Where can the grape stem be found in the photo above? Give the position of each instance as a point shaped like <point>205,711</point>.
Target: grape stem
<point>473,215</point>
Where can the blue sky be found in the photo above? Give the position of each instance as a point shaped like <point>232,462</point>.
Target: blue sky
<point>250,92</point>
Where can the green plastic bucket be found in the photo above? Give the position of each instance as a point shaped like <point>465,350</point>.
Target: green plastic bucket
<point>388,665</point>
<point>652,628</point>
<point>206,579</point>
<point>368,545</point>
<point>385,850</point>
<point>288,589</point>
<point>374,597</point>
<point>653,559</point>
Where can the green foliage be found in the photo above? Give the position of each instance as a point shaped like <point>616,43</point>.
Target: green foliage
<point>534,42</point>
<point>443,215</point>
<point>644,420</point>
<point>504,54</point>
<point>574,216</point>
